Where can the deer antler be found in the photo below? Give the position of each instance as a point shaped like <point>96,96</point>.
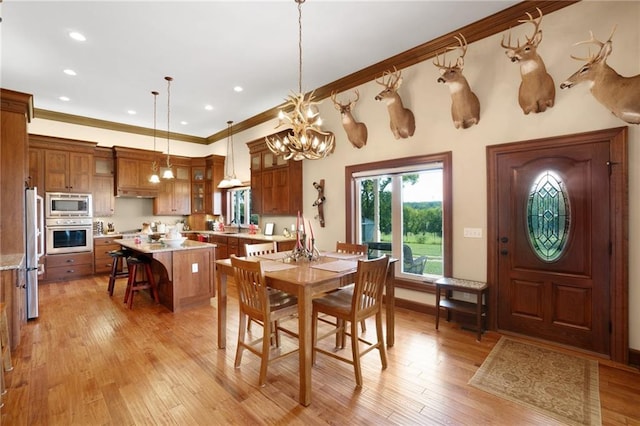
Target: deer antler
<point>394,77</point>
<point>462,44</point>
<point>536,22</point>
<point>593,40</point>
<point>336,104</point>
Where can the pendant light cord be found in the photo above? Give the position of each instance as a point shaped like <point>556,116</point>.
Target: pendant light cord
<point>169,79</point>
<point>300,44</point>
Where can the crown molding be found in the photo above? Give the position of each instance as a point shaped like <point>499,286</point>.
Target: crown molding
<point>112,125</point>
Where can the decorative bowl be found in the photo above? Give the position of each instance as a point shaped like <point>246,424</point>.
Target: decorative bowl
<point>173,242</point>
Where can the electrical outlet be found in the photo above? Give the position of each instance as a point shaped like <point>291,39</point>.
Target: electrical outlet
<point>194,267</point>
<point>473,232</point>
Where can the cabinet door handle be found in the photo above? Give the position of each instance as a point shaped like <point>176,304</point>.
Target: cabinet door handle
<point>70,260</point>
<point>70,271</point>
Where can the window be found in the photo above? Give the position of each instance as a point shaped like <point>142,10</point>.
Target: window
<point>239,206</point>
<point>402,207</point>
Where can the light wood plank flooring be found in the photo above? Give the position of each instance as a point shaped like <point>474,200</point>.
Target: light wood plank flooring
<point>90,361</point>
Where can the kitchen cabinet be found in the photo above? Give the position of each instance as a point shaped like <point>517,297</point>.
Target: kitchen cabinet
<point>63,267</point>
<point>68,163</point>
<point>200,175</point>
<point>36,169</point>
<point>276,183</point>
<point>17,111</point>
<point>206,173</point>
<point>132,172</point>
<point>103,194</point>
<point>174,195</point>
<point>102,262</point>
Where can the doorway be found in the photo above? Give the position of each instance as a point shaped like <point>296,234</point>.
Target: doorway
<point>557,251</point>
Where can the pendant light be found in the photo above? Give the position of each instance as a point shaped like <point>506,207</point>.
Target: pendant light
<point>230,180</point>
<point>168,173</point>
<point>305,140</point>
<point>154,165</point>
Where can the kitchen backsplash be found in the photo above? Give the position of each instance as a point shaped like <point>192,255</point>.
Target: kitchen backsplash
<point>130,213</point>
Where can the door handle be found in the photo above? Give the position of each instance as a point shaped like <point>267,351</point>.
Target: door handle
<point>504,252</point>
<point>504,240</point>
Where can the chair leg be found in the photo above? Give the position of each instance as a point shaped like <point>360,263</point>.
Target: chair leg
<point>264,357</point>
<point>355,351</point>
<point>130,281</point>
<point>241,336</point>
<point>381,347</point>
<point>363,326</point>
<point>314,336</point>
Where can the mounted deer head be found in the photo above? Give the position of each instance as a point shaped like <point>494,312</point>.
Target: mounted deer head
<point>402,121</point>
<point>537,89</point>
<point>356,132</point>
<point>465,106</point>
<point>621,95</point>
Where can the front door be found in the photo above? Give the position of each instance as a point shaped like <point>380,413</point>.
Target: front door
<point>554,241</point>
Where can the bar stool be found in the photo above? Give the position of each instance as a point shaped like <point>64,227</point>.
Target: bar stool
<point>147,281</point>
<point>5,346</point>
<point>117,268</point>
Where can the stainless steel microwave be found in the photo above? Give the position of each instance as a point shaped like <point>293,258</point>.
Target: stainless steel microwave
<point>63,204</point>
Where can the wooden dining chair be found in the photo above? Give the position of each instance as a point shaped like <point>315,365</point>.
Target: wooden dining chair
<point>352,248</point>
<point>256,250</point>
<point>258,304</point>
<point>353,305</point>
<point>260,248</point>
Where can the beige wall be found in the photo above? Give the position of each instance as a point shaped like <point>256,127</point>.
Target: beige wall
<point>495,80</point>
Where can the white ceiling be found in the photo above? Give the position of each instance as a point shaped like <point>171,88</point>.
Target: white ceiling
<point>208,47</point>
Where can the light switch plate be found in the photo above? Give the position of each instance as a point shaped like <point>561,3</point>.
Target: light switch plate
<point>194,267</point>
<point>473,232</point>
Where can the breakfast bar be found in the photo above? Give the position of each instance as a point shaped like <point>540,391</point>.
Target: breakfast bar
<point>185,274</point>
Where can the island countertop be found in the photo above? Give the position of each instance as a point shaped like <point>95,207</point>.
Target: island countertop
<point>158,247</point>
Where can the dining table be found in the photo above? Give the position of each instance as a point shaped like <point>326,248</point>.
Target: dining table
<point>304,279</point>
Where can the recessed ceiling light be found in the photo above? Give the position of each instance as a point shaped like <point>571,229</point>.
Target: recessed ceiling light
<point>64,98</point>
<point>69,72</point>
<point>208,107</point>
<point>77,36</point>
<point>184,123</point>
<point>131,112</point>
<point>238,89</point>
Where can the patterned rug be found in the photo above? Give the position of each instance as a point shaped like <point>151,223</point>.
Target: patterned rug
<point>560,386</point>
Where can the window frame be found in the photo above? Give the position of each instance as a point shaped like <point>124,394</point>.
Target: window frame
<point>447,229</point>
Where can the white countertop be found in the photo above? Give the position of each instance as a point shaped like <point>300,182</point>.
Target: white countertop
<point>157,247</point>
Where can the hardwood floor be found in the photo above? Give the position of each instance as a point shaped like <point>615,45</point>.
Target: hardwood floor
<point>88,360</point>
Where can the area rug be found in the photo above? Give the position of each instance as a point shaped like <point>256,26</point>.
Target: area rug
<point>561,386</point>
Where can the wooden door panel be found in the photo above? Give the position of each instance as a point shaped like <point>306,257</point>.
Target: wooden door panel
<point>555,298</point>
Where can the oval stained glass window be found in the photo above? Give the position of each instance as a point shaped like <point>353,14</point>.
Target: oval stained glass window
<point>548,216</point>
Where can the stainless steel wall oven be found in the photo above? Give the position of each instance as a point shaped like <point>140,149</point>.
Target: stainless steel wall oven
<point>72,235</point>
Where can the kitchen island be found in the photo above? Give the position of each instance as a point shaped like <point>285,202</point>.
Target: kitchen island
<point>185,274</point>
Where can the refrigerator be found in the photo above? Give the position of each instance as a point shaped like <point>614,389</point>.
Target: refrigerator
<point>34,248</point>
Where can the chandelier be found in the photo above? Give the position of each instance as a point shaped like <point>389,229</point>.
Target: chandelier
<point>154,165</point>
<point>230,180</point>
<point>168,173</point>
<point>305,139</point>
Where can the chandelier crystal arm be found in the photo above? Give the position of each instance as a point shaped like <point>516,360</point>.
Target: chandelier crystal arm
<point>168,173</point>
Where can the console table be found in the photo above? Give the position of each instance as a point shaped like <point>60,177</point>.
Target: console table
<point>464,286</point>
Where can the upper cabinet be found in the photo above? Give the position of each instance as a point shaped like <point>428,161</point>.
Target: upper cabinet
<point>132,172</point>
<point>276,184</point>
<point>103,179</point>
<point>206,174</point>
<point>174,195</point>
<point>68,164</point>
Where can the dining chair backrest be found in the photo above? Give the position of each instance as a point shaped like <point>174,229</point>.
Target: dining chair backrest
<point>260,248</point>
<point>252,288</point>
<point>351,248</point>
<point>369,286</point>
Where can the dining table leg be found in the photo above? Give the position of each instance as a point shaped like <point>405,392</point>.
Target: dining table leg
<point>390,302</point>
<point>221,283</point>
<point>305,309</point>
